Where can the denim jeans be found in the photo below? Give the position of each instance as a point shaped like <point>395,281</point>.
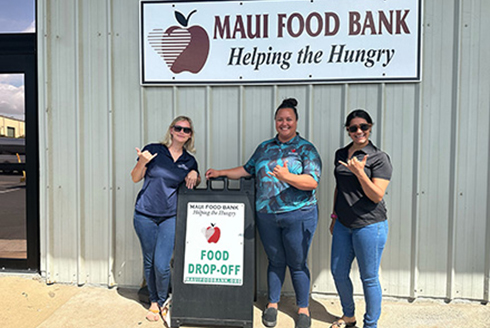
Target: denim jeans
<point>366,244</point>
<point>287,238</point>
<point>157,238</point>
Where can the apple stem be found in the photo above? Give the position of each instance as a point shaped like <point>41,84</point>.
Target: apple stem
<point>191,13</point>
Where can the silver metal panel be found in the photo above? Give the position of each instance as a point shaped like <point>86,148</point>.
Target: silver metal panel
<point>224,116</point>
<point>158,113</point>
<point>472,171</point>
<point>258,104</point>
<point>95,148</point>
<point>63,144</point>
<point>397,127</point>
<point>129,132</point>
<point>435,149</point>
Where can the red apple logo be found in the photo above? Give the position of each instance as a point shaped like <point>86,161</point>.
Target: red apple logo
<point>182,48</point>
<point>212,233</point>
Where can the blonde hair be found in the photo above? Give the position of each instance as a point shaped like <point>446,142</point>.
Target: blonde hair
<point>189,144</point>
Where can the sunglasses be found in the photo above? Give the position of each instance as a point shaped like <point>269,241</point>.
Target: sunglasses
<point>178,128</point>
<point>353,128</point>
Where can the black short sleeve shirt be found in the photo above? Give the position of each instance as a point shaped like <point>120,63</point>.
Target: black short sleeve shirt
<point>353,208</point>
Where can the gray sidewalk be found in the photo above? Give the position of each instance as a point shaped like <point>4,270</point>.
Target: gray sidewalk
<point>29,302</point>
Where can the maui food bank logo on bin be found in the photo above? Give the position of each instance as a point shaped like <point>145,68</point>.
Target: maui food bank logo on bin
<point>212,233</point>
<point>214,243</point>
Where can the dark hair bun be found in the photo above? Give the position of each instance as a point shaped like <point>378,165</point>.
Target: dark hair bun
<point>289,102</point>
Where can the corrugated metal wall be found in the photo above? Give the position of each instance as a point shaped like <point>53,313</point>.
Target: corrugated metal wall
<point>93,113</point>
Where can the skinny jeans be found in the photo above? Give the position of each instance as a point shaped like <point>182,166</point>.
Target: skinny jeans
<point>157,239</point>
<point>286,238</point>
<point>366,244</point>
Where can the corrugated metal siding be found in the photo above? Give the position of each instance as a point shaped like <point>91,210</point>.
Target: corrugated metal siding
<point>93,114</point>
<point>472,164</point>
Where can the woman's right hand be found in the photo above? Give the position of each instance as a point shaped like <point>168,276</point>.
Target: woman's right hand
<point>212,173</point>
<point>139,170</point>
<point>145,156</point>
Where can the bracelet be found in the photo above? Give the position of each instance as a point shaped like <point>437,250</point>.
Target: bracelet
<point>333,216</point>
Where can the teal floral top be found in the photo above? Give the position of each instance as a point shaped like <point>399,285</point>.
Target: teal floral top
<point>273,195</point>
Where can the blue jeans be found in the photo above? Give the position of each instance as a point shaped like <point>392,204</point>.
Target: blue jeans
<point>157,238</point>
<point>366,244</point>
<point>287,238</point>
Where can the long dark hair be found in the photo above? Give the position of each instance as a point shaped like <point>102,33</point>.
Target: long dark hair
<point>288,103</point>
<point>358,113</point>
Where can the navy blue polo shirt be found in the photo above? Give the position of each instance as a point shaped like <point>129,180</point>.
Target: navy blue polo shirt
<point>158,196</point>
<point>353,208</point>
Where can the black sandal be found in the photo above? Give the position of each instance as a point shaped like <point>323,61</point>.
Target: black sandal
<point>342,324</point>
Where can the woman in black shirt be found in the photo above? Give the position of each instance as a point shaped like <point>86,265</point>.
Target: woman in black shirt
<point>359,222</point>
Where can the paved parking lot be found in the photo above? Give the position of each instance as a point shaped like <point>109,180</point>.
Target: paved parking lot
<point>12,217</point>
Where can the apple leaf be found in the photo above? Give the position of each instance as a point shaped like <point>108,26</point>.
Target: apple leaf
<point>181,19</point>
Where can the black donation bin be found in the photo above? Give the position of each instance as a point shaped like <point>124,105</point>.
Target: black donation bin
<point>214,257</point>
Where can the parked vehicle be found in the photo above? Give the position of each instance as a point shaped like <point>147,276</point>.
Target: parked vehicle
<point>12,151</point>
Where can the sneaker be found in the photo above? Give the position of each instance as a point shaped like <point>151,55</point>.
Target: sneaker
<point>269,317</point>
<point>303,321</point>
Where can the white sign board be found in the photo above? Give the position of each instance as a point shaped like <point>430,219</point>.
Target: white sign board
<point>270,41</point>
<point>214,243</point>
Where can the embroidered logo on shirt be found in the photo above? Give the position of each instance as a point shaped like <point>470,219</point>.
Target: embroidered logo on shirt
<point>183,167</point>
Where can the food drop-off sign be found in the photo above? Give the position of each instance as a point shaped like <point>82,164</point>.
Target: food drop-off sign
<point>214,244</point>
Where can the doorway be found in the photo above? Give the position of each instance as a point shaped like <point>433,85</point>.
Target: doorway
<point>19,163</point>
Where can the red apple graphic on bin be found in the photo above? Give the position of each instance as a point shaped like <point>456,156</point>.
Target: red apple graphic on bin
<point>212,233</point>
<point>183,48</point>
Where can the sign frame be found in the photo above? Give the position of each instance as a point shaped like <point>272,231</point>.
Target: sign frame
<point>154,73</point>
<point>215,304</point>
<point>214,250</point>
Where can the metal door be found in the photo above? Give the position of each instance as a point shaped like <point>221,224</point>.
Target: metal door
<point>19,163</point>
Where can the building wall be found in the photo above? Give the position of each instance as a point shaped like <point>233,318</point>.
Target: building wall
<point>93,113</point>
<point>7,123</point>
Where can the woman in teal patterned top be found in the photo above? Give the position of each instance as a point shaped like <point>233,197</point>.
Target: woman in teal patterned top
<point>287,170</point>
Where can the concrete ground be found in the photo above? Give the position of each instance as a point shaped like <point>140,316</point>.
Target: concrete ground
<point>28,302</point>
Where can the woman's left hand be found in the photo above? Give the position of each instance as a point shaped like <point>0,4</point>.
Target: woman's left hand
<point>280,172</point>
<point>191,179</point>
<point>355,166</point>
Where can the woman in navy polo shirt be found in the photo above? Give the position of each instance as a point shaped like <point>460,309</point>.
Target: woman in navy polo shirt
<point>287,170</point>
<point>164,166</point>
<point>359,222</point>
